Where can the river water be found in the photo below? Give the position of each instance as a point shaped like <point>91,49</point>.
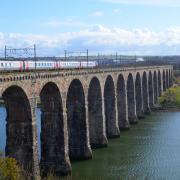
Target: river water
<point>150,150</point>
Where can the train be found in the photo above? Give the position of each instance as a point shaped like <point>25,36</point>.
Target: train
<point>43,65</point>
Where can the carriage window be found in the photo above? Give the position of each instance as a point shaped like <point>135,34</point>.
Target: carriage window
<point>1,64</point>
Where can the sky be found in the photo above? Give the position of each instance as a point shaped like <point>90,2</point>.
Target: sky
<point>132,27</point>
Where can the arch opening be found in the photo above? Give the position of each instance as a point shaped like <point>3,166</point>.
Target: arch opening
<point>145,93</point>
<point>76,116</point>
<point>138,88</point>
<point>164,81</point>
<point>110,110</point>
<point>171,77</point>
<point>167,79</point>
<point>95,108</point>
<point>155,85</point>
<point>20,129</point>
<point>122,103</point>
<point>131,100</point>
<point>52,132</point>
<point>159,84</point>
<point>151,92</point>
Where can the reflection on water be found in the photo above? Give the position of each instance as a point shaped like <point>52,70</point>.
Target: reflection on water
<point>38,117</point>
<point>2,129</point>
<point>150,150</point>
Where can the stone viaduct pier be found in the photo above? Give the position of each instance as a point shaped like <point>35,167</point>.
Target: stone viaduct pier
<point>80,110</point>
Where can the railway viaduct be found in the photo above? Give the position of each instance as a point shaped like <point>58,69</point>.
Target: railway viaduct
<point>80,110</point>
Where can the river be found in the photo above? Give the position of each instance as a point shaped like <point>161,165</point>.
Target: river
<point>150,150</point>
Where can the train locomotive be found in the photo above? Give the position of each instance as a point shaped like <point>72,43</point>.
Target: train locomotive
<point>43,65</point>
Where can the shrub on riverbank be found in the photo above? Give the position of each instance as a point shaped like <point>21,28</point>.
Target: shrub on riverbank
<point>171,98</point>
<point>9,169</point>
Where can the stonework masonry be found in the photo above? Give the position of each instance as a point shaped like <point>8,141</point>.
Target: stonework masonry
<point>81,109</point>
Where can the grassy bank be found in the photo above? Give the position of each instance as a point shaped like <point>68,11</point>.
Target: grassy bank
<point>171,98</point>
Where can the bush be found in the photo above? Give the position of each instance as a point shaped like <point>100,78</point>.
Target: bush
<point>171,97</point>
<point>9,169</point>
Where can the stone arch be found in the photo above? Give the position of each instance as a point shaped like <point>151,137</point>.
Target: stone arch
<point>110,108</point>
<point>159,83</point>
<point>155,85</point>
<point>21,141</point>
<point>52,133</point>
<point>122,103</point>
<point>145,93</point>
<point>164,80</point>
<point>96,119</point>
<point>138,88</point>
<point>76,117</point>
<point>131,100</point>
<point>150,90</point>
<point>167,79</point>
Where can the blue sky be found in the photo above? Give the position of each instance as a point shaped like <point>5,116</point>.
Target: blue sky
<point>106,26</point>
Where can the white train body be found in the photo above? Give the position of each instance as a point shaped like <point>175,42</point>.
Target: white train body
<point>40,65</point>
<point>10,65</point>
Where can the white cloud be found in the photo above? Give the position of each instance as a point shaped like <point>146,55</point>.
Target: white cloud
<point>98,13</point>
<point>147,2</point>
<point>65,23</point>
<point>98,38</point>
<point>117,10</point>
